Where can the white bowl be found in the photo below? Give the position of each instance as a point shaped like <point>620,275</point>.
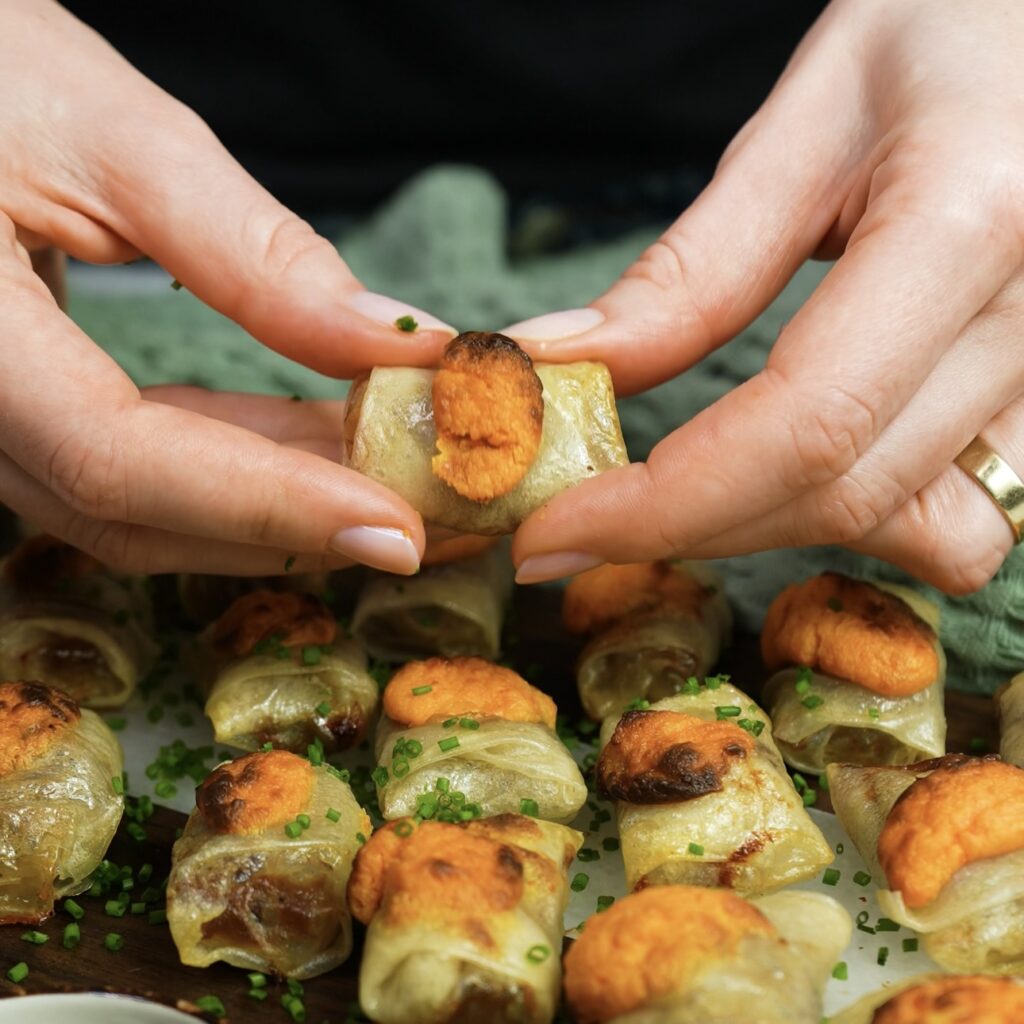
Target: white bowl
<point>87,1008</point>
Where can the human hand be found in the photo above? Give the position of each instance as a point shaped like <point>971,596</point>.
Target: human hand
<point>895,141</point>
<point>99,162</point>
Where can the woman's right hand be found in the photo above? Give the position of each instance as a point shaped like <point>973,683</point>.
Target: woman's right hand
<point>100,163</point>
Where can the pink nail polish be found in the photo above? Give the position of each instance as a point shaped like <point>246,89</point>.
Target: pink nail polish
<point>381,547</point>
<point>386,310</point>
<point>555,565</point>
<point>555,326</point>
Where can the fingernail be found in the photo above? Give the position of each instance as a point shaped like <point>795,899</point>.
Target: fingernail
<point>553,566</point>
<point>555,326</point>
<point>378,546</point>
<point>386,310</point>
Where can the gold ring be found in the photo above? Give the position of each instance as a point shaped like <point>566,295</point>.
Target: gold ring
<point>998,480</point>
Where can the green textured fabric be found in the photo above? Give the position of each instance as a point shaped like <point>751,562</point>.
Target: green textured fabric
<point>441,244</point>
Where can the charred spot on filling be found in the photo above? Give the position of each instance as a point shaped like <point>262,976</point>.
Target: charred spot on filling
<point>488,414</point>
<point>729,869</point>
<point>955,1000</point>
<point>32,718</point>
<point>255,791</point>
<point>290,618</point>
<point>43,562</point>
<point>657,757</point>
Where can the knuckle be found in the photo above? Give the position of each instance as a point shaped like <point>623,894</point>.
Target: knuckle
<point>964,572</point>
<point>855,505</point>
<point>87,474</point>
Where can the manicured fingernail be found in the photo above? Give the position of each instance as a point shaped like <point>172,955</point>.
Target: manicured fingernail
<point>553,566</point>
<point>386,310</point>
<point>555,326</point>
<point>379,546</point>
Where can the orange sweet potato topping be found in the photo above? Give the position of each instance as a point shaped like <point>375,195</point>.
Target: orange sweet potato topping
<point>32,718</point>
<point>597,598</point>
<point>852,630</point>
<point>651,944</point>
<point>965,999</point>
<point>489,415</point>
<point>255,792</point>
<point>463,686</point>
<point>295,618</point>
<point>966,810</point>
<point>665,757</point>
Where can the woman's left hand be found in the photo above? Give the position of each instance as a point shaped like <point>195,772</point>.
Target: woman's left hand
<point>895,141</point>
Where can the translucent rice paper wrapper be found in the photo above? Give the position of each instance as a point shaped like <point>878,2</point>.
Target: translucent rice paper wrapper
<point>265,901</point>
<point>496,766</point>
<point>264,699</point>
<point>390,437</point>
<point>651,655</point>
<point>103,624</point>
<point>755,833</point>
<point>450,610</point>
<point>844,728</point>
<point>57,818</point>
<point>430,972</point>
<point>1010,702</point>
<point>976,925</point>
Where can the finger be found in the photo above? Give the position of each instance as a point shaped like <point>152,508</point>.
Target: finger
<point>79,427</point>
<point>951,534</point>
<point>842,369</point>
<point>280,419</point>
<point>142,549</point>
<point>776,192</point>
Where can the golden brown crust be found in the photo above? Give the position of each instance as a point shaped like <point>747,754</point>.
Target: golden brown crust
<point>434,872</point>
<point>958,814</point>
<point>651,944</point>
<point>656,757</point>
<point>966,999</point>
<point>852,630</point>
<point>597,598</point>
<point>42,561</point>
<point>294,618</point>
<point>489,415</point>
<point>32,718</point>
<point>464,686</point>
<point>457,549</point>
<point>255,792</point>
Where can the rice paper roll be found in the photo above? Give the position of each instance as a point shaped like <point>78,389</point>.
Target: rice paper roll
<point>204,597</point>
<point>277,669</point>
<point>70,622</point>
<point>452,609</point>
<point>685,955</point>
<point>945,839</point>
<point>258,877</point>
<point>464,921</point>
<point>480,729</point>
<point>390,436</point>
<point>59,803</point>
<point>702,795</point>
<point>865,674</point>
<point>654,625</point>
<point>942,999</point>
<point>1010,704</point>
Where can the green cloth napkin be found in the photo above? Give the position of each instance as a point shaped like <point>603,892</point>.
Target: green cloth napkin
<point>441,244</point>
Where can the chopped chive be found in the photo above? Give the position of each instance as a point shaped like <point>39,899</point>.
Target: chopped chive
<point>74,909</point>
<point>695,850</point>
<point>113,942</point>
<point>211,1004</point>
<point>831,876</point>
<point>18,973</point>
<point>840,971</point>
<point>862,923</point>
<point>157,917</point>
<point>72,935</point>
<point>538,954</point>
<point>812,701</point>
<point>117,724</point>
<point>288,563</point>
<point>406,323</point>
<point>862,878</point>
<point>610,843</point>
<point>823,782</point>
<point>404,829</point>
<point>293,830</point>
<point>874,714</point>
<point>529,807</point>
<point>311,656</point>
<point>840,849</point>
<point>136,831</point>
<point>315,753</point>
<point>333,815</point>
<point>449,743</point>
<point>469,723</point>
<point>413,748</point>
<point>138,908</point>
<point>885,924</point>
<point>442,785</point>
<point>604,902</point>
<point>360,839</point>
<point>579,881</point>
<point>728,711</point>
<point>640,704</point>
<point>809,797</point>
<point>257,980</point>
<point>883,955</point>
<point>323,709</point>
<point>165,788</point>
<point>259,994</point>
<point>117,784</point>
<point>799,782</point>
<point>114,908</point>
<point>380,775</point>
<point>449,723</point>
<point>400,768</point>
<point>419,691</point>
<point>752,725</point>
<point>910,945</point>
<point>176,285</point>
<point>144,873</point>
<point>802,686</point>
<point>303,820</point>
<point>267,747</point>
<point>35,938</point>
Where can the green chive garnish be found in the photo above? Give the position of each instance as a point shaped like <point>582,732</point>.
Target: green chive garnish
<point>303,820</point>
<point>695,850</point>
<point>323,709</point>
<point>211,1004</point>
<point>728,711</point>
<point>259,994</point>
<point>293,830</point>
<point>117,724</point>
<point>406,323</point>
<point>157,917</point>
<point>288,563</point>
<point>311,656</point>
<point>874,714</point>
<point>840,972</point>
<point>831,876</point>
<point>72,935</point>
<point>117,784</point>
<point>610,843</point>
<point>448,743</point>
<point>35,938</point>
<point>18,973</point>
<point>380,775</point>
<point>419,691</point>
<point>114,908</point>
<point>586,855</point>
<point>883,955</point>
<point>862,878</point>
<point>257,980</point>
<point>113,942</point>
<point>469,723</point>
<point>529,807</point>
<point>74,909</point>
<point>604,902</point>
<point>885,924</point>
<point>538,954</point>
<point>812,701</point>
<point>579,881</point>
<point>333,814</point>
<point>910,945</point>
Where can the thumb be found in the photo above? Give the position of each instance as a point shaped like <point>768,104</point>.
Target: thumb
<point>184,201</point>
<point>775,194</point>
